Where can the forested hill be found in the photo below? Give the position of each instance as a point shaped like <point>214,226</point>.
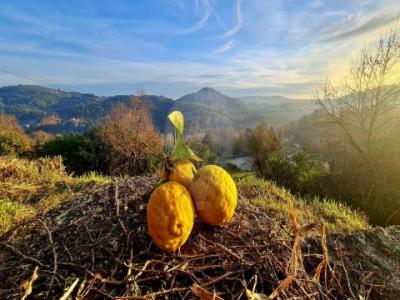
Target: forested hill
<point>58,111</point>
<point>76,112</point>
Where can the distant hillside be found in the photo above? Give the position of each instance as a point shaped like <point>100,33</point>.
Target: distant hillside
<point>279,110</point>
<point>270,100</point>
<point>208,109</point>
<point>203,110</point>
<point>77,112</point>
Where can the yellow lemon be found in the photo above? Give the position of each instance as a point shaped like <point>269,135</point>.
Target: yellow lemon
<point>214,194</point>
<point>170,215</point>
<point>182,172</point>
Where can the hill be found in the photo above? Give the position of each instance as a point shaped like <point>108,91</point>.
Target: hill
<point>94,244</point>
<point>209,109</point>
<point>205,109</point>
<point>279,110</point>
<point>76,112</point>
<point>270,100</point>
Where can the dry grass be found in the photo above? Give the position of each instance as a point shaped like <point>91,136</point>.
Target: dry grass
<point>111,254</point>
<point>274,201</point>
<point>96,246</point>
<point>32,187</point>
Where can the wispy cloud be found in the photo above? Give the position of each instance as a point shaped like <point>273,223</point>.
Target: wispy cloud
<point>239,22</point>
<point>200,23</point>
<point>225,47</point>
<point>362,26</point>
<point>197,26</point>
<point>208,4</point>
<point>174,47</point>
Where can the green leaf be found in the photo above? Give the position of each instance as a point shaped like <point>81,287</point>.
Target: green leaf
<point>181,151</point>
<point>177,119</point>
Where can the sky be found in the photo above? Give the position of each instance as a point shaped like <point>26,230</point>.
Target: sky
<point>175,47</point>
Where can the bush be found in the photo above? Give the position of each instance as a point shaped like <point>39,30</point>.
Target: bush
<point>134,146</point>
<point>127,144</point>
<point>13,140</point>
<point>301,174</point>
<point>72,148</point>
<point>15,144</point>
<point>263,141</point>
<point>203,151</point>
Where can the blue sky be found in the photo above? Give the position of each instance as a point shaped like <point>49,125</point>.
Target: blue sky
<point>173,47</point>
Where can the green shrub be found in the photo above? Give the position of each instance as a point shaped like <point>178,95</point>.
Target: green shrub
<point>204,151</point>
<point>72,148</point>
<point>15,144</point>
<point>300,174</point>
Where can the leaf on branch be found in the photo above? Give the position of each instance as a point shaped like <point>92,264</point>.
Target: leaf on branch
<point>177,120</point>
<point>181,151</point>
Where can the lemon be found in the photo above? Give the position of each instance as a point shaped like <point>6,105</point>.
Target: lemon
<point>214,194</point>
<point>182,172</point>
<point>170,216</point>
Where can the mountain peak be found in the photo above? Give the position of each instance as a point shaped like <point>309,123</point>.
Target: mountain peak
<point>207,90</point>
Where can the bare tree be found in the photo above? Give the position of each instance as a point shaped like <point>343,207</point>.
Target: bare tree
<point>368,101</point>
<point>131,137</point>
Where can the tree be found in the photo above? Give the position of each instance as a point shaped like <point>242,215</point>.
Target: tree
<point>72,148</point>
<point>263,141</point>
<point>368,101</point>
<point>50,120</point>
<point>132,139</point>
<point>203,151</point>
<point>300,174</point>
<point>13,140</point>
<point>81,153</point>
<point>366,109</point>
<point>41,137</point>
<point>239,145</point>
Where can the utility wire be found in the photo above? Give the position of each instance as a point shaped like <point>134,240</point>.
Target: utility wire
<point>26,75</point>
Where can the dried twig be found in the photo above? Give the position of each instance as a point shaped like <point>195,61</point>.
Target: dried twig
<point>55,265</point>
<point>70,290</point>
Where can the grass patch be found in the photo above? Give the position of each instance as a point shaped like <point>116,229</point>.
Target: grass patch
<point>32,187</point>
<point>274,201</point>
<point>92,178</point>
<point>13,212</point>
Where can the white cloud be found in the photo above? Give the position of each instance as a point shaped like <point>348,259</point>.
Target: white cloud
<point>225,47</point>
<point>239,22</point>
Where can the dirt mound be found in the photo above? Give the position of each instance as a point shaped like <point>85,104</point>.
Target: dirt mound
<point>372,260</point>
<point>96,246</point>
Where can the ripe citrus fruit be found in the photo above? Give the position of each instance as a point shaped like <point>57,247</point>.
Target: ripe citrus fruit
<point>182,172</point>
<point>170,215</point>
<point>214,194</point>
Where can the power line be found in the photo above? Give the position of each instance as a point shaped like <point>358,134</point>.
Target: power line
<point>26,75</point>
<point>39,77</point>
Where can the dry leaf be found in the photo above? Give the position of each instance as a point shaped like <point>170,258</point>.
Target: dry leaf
<point>26,285</point>
<point>255,296</point>
<point>283,286</point>
<point>204,294</point>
